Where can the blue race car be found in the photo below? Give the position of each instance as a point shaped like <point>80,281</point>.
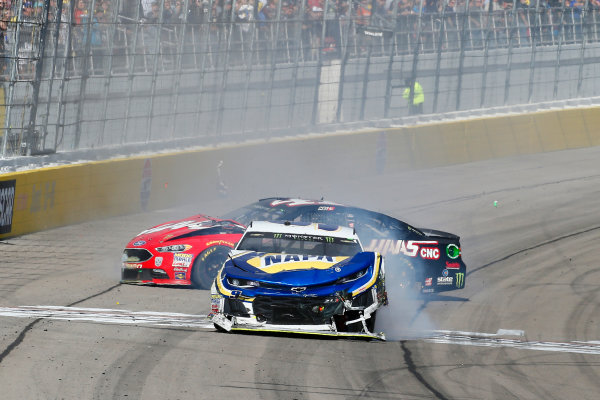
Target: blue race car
<point>300,278</point>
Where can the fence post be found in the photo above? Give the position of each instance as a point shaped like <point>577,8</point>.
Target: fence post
<point>130,74</point>
<point>222,92</point>
<point>583,17</point>
<point>438,65</point>
<point>273,49</point>
<point>461,57</point>
<point>13,80</point>
<point>534,39</point>
<point>108,72</point>
<point>511,35</point>
<point>486,46</point>
<point>390,74</point>
<point>84,72</point>
<point>157,53</point>
<point>298,37</point>
<point>179,66</point>
<point>57,21</point>
<point>558,50</point>
<point>415,61</point>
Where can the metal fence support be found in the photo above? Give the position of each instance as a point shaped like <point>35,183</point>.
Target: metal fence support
<point>511,38</point>
<point>131,76</point>
<point>108,72</point>
<point>535,39</point>
<point>438,63</point>
<point>559,49</point>
<point>13,80</point>
<point>85,73</point>
<point>461,57</point>
<point>583,30</point>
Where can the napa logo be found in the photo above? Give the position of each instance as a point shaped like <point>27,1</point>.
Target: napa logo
<point>272,263</point>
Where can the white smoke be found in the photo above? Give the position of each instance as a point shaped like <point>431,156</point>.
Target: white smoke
<point>405,317</point>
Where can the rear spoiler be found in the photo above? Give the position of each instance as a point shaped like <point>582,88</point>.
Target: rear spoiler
<point>440,234</point>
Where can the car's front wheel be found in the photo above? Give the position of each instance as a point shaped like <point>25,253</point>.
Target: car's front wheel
<point>207,265</point>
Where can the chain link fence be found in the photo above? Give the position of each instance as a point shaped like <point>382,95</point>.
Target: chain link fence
<point>94,74</point>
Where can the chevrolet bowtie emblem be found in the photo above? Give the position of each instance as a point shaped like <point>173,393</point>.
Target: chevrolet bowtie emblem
<point>298,289</point>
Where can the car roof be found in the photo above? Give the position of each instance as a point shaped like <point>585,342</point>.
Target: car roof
<point>302,229</point>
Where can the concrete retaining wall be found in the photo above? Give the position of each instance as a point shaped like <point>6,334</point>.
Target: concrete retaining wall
<point>49,197</point>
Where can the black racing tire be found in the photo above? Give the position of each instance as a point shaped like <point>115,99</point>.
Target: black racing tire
<point>207,265</point>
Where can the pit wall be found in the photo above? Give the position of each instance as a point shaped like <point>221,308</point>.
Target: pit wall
<point>55,196</point>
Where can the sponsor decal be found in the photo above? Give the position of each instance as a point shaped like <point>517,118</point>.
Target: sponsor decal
<point>428,290</point>
<point>444,280</point>
<point>215,304</point>
<point>180,275</point>
<point>180,269</point>
<point>42,196</point>
<point>452,265</point>
<point>139,243</point>
<point>7,202</point>
<point>182,260</point>
<point>158,261</point>
<point>326,208</point>
<point>460,280</point>
<point>452,251</point>
<point>220,243</point>
<point>410,248</point>
<point>428,281</point>
<point>146,184</point>
<point>338,269</point>
<point>272,263</point>
<point>132,265</point>
<point>445,272</point>
<point>299,202</point>
<point>430,253</point>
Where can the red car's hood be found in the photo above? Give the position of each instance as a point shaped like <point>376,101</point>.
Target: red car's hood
<point>187,226</point>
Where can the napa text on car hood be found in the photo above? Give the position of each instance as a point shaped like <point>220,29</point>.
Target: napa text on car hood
<point>298,270</point>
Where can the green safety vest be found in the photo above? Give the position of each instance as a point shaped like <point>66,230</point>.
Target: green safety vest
<point>418,96</point>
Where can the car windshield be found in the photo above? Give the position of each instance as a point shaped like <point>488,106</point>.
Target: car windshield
<point>259,212</point>
<point>291,243</point>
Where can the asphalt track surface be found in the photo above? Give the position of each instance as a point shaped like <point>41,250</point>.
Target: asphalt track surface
<point>527,326</point>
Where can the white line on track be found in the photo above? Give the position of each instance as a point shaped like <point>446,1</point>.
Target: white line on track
<point>163,319</point>
<point>564,347</point>
<point>108,316</point>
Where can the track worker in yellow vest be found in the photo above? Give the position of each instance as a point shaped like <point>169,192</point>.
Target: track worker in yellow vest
<point>418,98</point>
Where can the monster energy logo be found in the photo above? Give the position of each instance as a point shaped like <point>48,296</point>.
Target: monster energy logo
<point>277,236</point>
<point>460,279</point>
<point>329,239</point>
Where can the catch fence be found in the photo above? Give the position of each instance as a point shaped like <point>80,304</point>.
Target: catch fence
<point>101,73</point>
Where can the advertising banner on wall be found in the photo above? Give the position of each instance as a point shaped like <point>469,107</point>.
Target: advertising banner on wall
<point>7,201</point>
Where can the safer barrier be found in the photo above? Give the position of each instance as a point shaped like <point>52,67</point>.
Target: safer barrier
<point>50,197</point>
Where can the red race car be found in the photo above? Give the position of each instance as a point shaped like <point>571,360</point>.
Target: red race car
<point>184,252</point>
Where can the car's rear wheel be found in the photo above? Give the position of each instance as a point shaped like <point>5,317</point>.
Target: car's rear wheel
<point>207,265</point>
